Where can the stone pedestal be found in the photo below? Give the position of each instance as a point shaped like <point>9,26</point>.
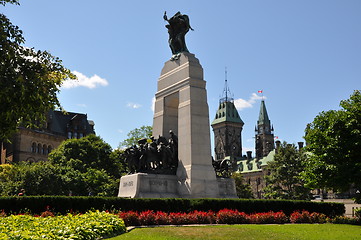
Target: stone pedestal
<point>143,185</point>
<point>227,188</point>
<point>181,106</point>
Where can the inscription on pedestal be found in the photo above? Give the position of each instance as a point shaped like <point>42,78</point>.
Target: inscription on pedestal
<point>128,184</point>
<point>158,183</point>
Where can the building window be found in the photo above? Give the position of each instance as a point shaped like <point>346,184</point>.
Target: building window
<point>49,149</point>
<point>45,149</point>
<point>75,135</point>
<point>33,147</point>
<point>81,135</point>
<point>39,148</point>
<point>69,135</point>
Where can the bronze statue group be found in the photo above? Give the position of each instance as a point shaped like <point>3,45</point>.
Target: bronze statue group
<point>158,156</point>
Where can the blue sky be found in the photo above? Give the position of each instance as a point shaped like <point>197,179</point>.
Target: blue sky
<point>304,55</point>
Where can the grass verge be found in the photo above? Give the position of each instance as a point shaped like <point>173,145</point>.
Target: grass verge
<point>247,231</point>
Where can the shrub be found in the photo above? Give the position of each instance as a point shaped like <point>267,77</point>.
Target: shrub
<point>161,218</point>
<point>130,218</point>
<point>202,217</point>
<point>227,216</point>
<point>318,217</point>
<point>306,217</point>
<point>269,217</point>
<point>91,225</point>
<point>231,217</point>
<point>300,217</point>
<point>63,204</point>
<point>178,218</point>
<point>344,220</point>
<point>147,218</point>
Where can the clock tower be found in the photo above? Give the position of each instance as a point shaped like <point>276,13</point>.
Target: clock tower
<point>227,128</point>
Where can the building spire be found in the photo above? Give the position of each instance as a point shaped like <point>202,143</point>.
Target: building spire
<point>263,118</point>
<point>264,133</point>
<point>227,95</point>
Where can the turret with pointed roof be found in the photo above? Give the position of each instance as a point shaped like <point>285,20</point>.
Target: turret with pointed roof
<point>264,133</point>
<point>227,128</point>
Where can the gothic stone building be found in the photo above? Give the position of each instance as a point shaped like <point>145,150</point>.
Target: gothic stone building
<point>227,128</point>
<point>254,169</point>
<point>35,144</point>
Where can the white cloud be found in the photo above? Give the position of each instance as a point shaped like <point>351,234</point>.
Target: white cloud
<point>84,81</point>
<point>153,104</point>
<point>82,105</point>
<point>242,103</point>
<point>133,105</point>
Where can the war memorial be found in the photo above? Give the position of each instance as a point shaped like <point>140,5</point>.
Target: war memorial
<point>177,162</point>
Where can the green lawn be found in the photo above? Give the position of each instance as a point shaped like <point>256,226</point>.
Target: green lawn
<point>247,231</point>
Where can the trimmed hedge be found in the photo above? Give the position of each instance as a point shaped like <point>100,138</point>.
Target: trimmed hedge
<point>64,204</point>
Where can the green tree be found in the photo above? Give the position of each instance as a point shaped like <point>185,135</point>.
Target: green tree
<point>243,190</point>
<point>89,165</point>
<point>85,166</point>
<point>84,153</point>
<point>136,134</point>
<point>285,181</point>
<point>30,80</point>
<point>334,142</point>
<point>40,178</point>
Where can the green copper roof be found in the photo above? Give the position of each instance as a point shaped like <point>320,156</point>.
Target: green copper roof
<point>227,112</point>
<point>253,165</point>
<point>263,116</point>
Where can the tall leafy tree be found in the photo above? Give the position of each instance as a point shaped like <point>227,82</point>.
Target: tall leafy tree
<point>284,181</point>
<point>30,80</point>
<point>334,142</point>
<point>136,134</point>
<point>90,166</point>
<point>84,153</point>
<point>243,189</point>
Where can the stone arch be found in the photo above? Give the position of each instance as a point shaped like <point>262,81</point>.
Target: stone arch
<point>50,148</point>
<point>30,159</point>
<point>45,149</point>
<point>33,147</point>
<point>39,148</point>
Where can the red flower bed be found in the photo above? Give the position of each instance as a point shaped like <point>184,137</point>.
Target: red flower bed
<point>225,216</point>
<point>306,217</point>
<point>130,218</point>
<point>269,217</point>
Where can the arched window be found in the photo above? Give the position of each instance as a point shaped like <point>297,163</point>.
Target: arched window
<point>45,149</point>
<point>69,135</point>
<point>81,135</point>
<point>33,147</point>
<point>39,148</point>
<point>49,149</point>
<point>75,135</point>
